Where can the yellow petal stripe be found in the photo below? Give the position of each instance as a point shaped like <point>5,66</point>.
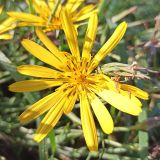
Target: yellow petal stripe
<point>22,24</point>
<point>8,24</point>
<point>90,36</point>
<point>41,8</point>
<point>102,114</point>
<point>88,124</point>
<point>41,53</point>
<point>135,91</point>
<point>109,45</point>
<point>33,85</point>
<point>40,107</point>
<point>1,9</point>
<point>6,36</point>
<point>25,17</point>
<point>131,97</point>
<point>38,71</point>
<point>72,5</point>
<point>51,4</point>
<point>84,13</point>
<point>120,102</point>
<point>5,29</point>
<point>69,104</point>
<point>49,121</point>
<point>50,45</point>
<point>70,33</point>
<point>46,41</point>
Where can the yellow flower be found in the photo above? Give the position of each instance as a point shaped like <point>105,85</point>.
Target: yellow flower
<point>77,81</point>
<point>5,26</point>
<point>43,11</point>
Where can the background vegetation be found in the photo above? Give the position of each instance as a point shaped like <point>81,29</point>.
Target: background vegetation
<point>133,137</point>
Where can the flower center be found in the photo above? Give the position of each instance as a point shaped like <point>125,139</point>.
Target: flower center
<point>81,78</point>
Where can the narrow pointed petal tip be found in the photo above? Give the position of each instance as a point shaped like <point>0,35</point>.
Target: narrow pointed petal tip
<point>146,96</point>
<point>6,36</point>
<point>122,27</point>
<point>37,138</point>
<point>1,9</point>
<point>124,24</point>
<point>20,119</point>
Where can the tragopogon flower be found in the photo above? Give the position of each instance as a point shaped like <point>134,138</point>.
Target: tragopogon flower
<point>5,26</point>
<point>44,10</point>
<point>77,81</point>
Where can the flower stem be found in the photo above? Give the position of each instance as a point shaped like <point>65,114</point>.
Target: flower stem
<point>52,141</point>
<point>143,135</point>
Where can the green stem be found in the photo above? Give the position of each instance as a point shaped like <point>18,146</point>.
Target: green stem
<point>122,146</point>
<point>102,8</point>
<point>42,146</point>
<point>122,129</point>
<point>43,150</point>
<point>118,117</point>
<point>103,147</point>
<point>53,142</point>
<point>143,135</point>
<point>31,10</point>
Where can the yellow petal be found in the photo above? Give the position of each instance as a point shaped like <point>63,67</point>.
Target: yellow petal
<point>7,25</point>
<point>88,124</point>
<point>7,22</point>
<point>122,103</point>
<point>41,8</point>
<point>102,114</point>
<point>6,36</point>
<point>46,41</point>
<point>135,91</point>
<point>41,53</point>
<point>22,24</point>
<point>33,85</point>
<point>131,97</point>
<point>70,102</point>
<point>5,29</point>
<point>1,9</point>
<point>25,17</point>
<point>90,36</point>
<point>40,107</point>
<point>70,33</point>
<point>72,5</point>
<point>38,71</point>
<point>50,45</point>
<point>52,4</point>
<point>109,45</point>
<point>49,121</point>
<point>84,13</point>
